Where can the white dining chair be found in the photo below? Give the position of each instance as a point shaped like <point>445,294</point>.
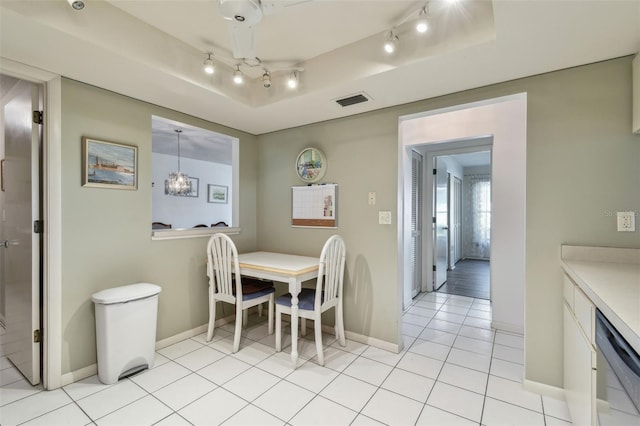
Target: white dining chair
<point>327,294</point>
<point>225,285</point>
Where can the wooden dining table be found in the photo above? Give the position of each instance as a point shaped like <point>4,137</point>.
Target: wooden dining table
<point>288,268</point>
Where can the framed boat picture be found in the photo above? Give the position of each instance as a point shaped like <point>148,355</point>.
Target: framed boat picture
<point>109,164</point>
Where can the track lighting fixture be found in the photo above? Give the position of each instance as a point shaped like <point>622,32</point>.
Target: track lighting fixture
<point>391,43</point>
<point>421,23</point>
<point>293,80</point>
<point>209,68</point>
<point>76,4</point>
<point>237,75</point>
<point>266,79</point>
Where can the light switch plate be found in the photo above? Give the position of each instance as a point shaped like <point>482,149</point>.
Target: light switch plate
<point>626,221</point>
<point>384,217</point>
<point>372,198</point>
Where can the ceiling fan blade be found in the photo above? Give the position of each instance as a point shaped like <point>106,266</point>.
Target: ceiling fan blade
<point>242,41</point>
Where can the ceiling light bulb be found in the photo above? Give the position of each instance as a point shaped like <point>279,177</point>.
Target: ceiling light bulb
<point>293,80</point>
<point>421,26</point>
<point>76,4</point>
<point>237,75</point>
<point>209,68</point>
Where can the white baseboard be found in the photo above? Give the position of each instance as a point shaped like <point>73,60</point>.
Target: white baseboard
<point>361,338</point>
<point>90,370</point>
<point>505,326</point>
<point>182,336</point>
<point>542,389</point>
<point>79,374</point>
<point>372,341</point>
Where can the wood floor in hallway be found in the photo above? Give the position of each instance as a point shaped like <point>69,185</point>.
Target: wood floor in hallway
<point>469,278</point>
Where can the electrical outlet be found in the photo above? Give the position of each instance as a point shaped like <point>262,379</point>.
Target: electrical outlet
<point>384,218</point>
<point>626,221</point>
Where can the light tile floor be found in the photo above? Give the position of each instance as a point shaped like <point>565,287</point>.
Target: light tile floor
<point>454,370</point>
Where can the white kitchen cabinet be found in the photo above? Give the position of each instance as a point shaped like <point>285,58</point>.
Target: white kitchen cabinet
<point>579,356</point>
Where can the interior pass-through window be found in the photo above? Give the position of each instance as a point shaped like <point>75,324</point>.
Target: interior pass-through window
<point>207,163</point>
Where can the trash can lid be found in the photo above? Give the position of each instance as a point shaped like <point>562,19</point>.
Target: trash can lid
<point>125,293</point>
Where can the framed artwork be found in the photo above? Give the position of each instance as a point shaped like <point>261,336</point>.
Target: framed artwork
<point>194,191</point>
<point>217,193</point>
<point>109,164</point>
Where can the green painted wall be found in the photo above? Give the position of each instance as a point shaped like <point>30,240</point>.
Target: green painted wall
<point>107,233</point>
<point>582,163</point>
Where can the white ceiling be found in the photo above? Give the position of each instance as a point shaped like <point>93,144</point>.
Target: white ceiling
<point>473,159</point>
<point>154,51</point>
<point>199,144</point>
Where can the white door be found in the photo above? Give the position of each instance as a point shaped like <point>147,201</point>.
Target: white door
<point>441,224</point>
<point>416,223</point>
<point>20,243</point>
<point>455,222</point>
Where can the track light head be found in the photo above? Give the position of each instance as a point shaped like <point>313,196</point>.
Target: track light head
<point>266,79</point>
<point>237,75</point>
<point>421,23</point>
<point>209,67</point>
<point>391,43</point>
<point>76,4</point>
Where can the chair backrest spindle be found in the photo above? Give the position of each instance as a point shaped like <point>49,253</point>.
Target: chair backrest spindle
<point>331,271</point>
<point>222,266</point>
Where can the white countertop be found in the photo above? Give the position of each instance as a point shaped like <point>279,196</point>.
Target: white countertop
<point>612,281</point>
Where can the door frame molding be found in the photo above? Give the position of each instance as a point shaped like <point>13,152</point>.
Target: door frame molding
<point>504,118</point>
<point>52,216</point>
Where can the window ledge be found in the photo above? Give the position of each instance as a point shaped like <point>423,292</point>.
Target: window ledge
<point>174,234</point>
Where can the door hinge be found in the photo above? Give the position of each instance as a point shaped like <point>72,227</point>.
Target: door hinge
<point>434,171</point>
<point>434,268</point>
<point>434,219</point>
<point>38,226</point>
<point>37,336</point>
<point>37,117</point>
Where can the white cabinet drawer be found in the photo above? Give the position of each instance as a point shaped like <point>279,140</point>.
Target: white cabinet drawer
<point>568,291</point>
<point>585,313</point>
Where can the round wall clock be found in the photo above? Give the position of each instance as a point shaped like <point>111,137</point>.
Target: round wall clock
<point>311,165</point>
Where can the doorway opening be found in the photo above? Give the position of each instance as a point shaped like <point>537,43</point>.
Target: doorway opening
<point>501,124</point>
<point>462,227</point>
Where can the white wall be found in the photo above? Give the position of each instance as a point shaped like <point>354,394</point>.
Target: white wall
<point>186,212</point>
<point>453,167</point>
<point>505,119</point>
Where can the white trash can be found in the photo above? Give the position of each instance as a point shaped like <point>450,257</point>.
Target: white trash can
<point>126,318</point>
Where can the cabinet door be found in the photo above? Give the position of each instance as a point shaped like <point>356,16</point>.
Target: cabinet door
<point>568,288</point>
<point>579,375</point>
<point>585,314</point>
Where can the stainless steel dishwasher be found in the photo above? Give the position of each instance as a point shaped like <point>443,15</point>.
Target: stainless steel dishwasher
<point>618,377</point>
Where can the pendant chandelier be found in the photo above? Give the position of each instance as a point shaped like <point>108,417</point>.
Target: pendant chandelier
<point>178,183</point>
